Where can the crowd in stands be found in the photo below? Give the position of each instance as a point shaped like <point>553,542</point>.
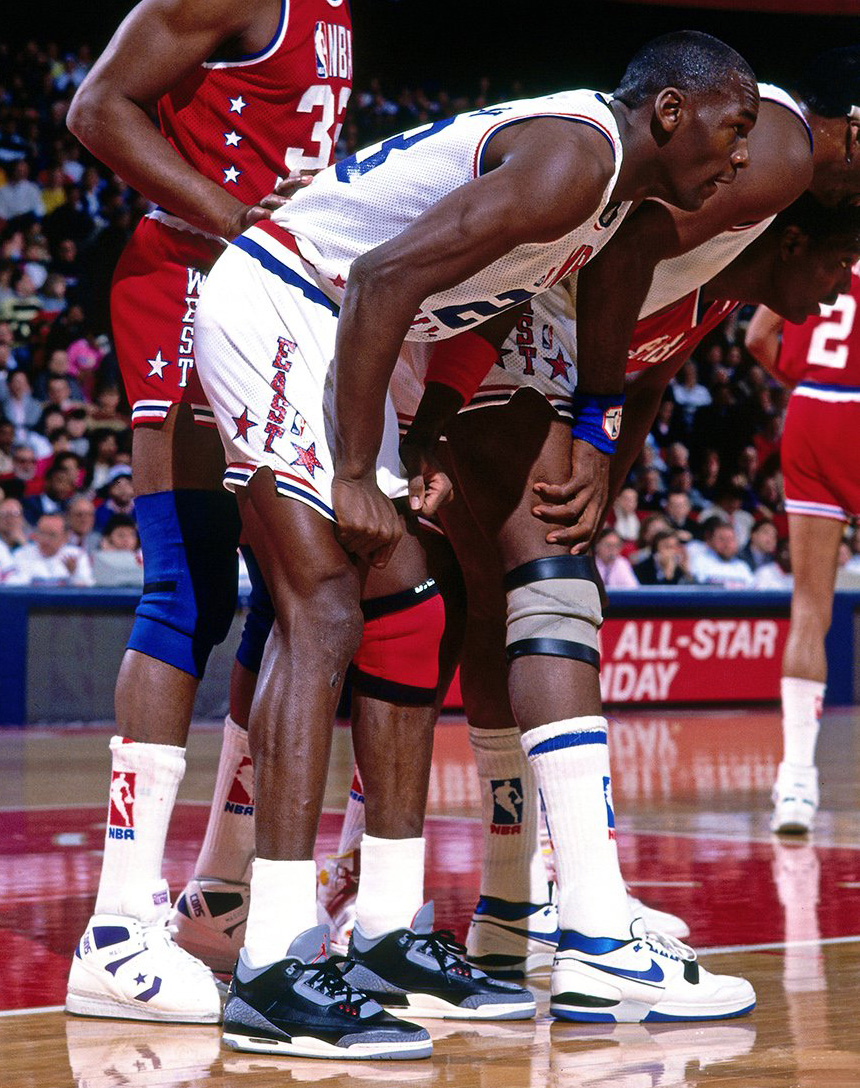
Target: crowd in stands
<point>703,504</point>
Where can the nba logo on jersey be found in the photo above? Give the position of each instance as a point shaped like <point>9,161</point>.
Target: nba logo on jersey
<point>240,799</point>
<point>321,50</point>
<point>507,794</point>
<point>612,422</point>
<point>121,807</point>
<point>610,811</point>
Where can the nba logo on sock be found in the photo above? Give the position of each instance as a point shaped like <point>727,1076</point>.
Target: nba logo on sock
<point>240,799</point>
<point>610,811</point>
<point>121,808</point>
<point>507,806</point>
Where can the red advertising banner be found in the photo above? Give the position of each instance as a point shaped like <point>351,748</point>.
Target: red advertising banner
<point>724,659</point>
<point>686,659</point>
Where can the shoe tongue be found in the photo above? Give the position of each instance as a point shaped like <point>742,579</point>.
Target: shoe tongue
<point>423,920</point>
<point>312,946</point>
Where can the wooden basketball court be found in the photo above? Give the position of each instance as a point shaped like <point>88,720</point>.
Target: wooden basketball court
<point>691,793</point>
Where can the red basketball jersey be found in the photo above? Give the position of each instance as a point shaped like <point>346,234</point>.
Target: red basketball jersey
<point>825,350</point>
<point>674,331</point>
<point>247,122</point>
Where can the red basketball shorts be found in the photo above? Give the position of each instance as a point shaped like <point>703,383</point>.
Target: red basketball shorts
<point>820,466</point>
<point>153,300</point>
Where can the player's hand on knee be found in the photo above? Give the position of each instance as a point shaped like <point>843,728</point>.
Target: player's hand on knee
<point>367,523</point>
<point>429,487</point>
<point>579,504</point>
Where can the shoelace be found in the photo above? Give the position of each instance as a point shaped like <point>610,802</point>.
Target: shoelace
<point>443,946</point>
<point>671,945</point>
<point>165,934</point>
<point>327,978</point>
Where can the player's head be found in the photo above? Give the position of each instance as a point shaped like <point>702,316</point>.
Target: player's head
<point>700,99</point>
<point>814,248</point>
<point>830,91</point>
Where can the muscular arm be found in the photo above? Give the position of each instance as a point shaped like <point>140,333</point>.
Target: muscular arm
<point>549,176</point>
<point>154,47</point>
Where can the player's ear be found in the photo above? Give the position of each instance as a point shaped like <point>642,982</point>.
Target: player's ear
<point>669,106</point>
<point>792,242</point>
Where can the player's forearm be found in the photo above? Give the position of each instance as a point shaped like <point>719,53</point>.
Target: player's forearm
<point>640,411</point>
<point>610,293</point>
<point>374,319</point>
<point>120,133</point>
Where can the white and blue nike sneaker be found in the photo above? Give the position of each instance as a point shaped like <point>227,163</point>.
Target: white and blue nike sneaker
<point>648,978</point>
<point>507,940</point>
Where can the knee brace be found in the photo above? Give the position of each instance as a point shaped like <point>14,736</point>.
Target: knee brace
<point>190,541</point>
<point>261,616</point>
<point>554,609</point>
<point>398,659</point>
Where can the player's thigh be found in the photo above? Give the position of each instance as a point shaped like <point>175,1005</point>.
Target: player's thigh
<point>499,454</point>
<point>177,454</point>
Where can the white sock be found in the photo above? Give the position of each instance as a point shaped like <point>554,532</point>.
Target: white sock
<point>391,889</point>
<point>801,719</point>
<point>228,845</point>
<point>283,905</point>
<point>144,781</point>
<point>353,818</point>
<point>512,866</point>
<point>570,760</point>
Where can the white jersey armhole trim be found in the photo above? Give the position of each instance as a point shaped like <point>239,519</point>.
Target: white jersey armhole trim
<point>577,118</point>
<point>264,54</point>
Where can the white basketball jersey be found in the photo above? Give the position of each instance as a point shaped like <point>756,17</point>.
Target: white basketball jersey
<point>678,276</point>
<point>372,196</point>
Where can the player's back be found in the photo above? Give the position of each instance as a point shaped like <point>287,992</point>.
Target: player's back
<point>824,352</point>
<point>369,198</point>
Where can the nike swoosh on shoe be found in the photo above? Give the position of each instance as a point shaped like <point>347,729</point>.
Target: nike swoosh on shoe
<point>653,974</point>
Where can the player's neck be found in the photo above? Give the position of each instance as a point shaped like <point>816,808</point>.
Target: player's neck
<point>746,279</point>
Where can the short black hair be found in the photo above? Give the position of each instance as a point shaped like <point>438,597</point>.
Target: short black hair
<point>686,59</point>
<point>119,521</point>
<point>819,221</point>
<point>830,84</point>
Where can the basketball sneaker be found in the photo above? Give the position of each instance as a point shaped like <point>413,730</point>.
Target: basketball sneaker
<point>420,971</point>
<point>127,969</point>
<point>648,977</point>
<point>337,888</point>
<point>508,939</point>
<point>795,799</point>
<point>305,1007</point>
<point>208,920</point>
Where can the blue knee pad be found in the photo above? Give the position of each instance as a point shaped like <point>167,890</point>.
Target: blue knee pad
<point>261,616</point>
<point>190,542</point>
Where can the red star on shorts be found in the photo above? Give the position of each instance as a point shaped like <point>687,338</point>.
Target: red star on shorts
<point>307,458</point>
<point>338,281</point>
<point>243,425</point>
<point>559,364</point>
